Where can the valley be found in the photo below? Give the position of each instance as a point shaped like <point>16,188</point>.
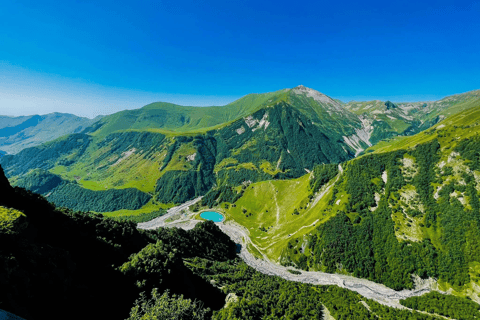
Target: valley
<point>378,198</point>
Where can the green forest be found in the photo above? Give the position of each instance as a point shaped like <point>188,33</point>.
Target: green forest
<point>363,242</point>
<point>91,263</point>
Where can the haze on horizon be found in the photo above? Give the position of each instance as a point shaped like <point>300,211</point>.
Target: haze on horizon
<point>93,58</point>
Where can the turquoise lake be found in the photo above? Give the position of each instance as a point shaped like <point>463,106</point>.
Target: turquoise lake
<point>212,215</point>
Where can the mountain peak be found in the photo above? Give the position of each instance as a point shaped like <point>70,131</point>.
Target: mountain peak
<point>316,95</point>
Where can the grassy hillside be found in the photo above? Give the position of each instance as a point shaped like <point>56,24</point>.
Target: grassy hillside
<point>162,154</point>
<point>415,203</point>
<point>47,271</point>
<point>181,119</point>
<point>278,141</point>
<point>274,212</point>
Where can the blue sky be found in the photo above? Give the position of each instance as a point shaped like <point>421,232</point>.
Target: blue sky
<point>99,57</point>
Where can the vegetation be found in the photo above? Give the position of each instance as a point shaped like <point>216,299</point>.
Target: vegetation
<point>445,305</point>
<point>364,237</point>
<point>166,306</point>
<point>322,174</point>
<point>139,218</point>
<point>259,296</point>
<point>53,248</point>
<point>73,196</point>
<point>170,272</point>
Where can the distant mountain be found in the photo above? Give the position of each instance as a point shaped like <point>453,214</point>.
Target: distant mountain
<point>18,133</point>
<point>385,119</point>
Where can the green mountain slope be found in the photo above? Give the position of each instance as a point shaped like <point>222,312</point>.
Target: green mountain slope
<point>18,133</point>
<point>58,264</point>
<point>163,154</point>
<point>53,261</point>
<point>176,118</point>
<point>152,168</point>
<point>408,210</point>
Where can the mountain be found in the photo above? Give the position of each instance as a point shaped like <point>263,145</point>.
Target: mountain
<point>298,171</point>
<point>150,158</point>
<point>398,215</point>
<point>385,119</point>
<point>142,164</point>
<point>18,133</point>
<point>57,264</point>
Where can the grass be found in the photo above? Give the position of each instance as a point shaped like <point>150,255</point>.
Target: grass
<point>131,169</point>
<point>171,119</point>
<point>150,207</point>
<point>267,208</point>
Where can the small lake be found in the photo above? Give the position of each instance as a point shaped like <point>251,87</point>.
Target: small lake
<point>212,215</point>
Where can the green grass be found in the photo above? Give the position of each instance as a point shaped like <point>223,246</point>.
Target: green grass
<point>463,123</point>
<point>271,205</point>
<point>150,207</point>
<point>172,119</point>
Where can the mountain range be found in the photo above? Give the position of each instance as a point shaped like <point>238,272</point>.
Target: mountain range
<point>377,190</point>
<point>163,154</point>
<point>18,133</point>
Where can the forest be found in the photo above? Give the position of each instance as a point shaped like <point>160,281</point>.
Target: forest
<point>363,242</point>
<point>98,268</point>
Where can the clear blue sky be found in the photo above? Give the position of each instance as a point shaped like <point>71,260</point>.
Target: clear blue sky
<point>98,57</point>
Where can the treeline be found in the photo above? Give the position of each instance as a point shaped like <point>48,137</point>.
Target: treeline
<point>45,156</point>
<point>73,196</point>
<point>363,242</point>
<point>291,137</point>
<point>181,186</point>
<point>221,194</point>
<point>445,305</point>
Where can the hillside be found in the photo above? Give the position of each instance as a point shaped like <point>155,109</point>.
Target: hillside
<point>58,263</point>
<point>151,168</point>
<point>18,133</point>
<point>151,158</point>
<point>385,119</point>
<point>409,208</point>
